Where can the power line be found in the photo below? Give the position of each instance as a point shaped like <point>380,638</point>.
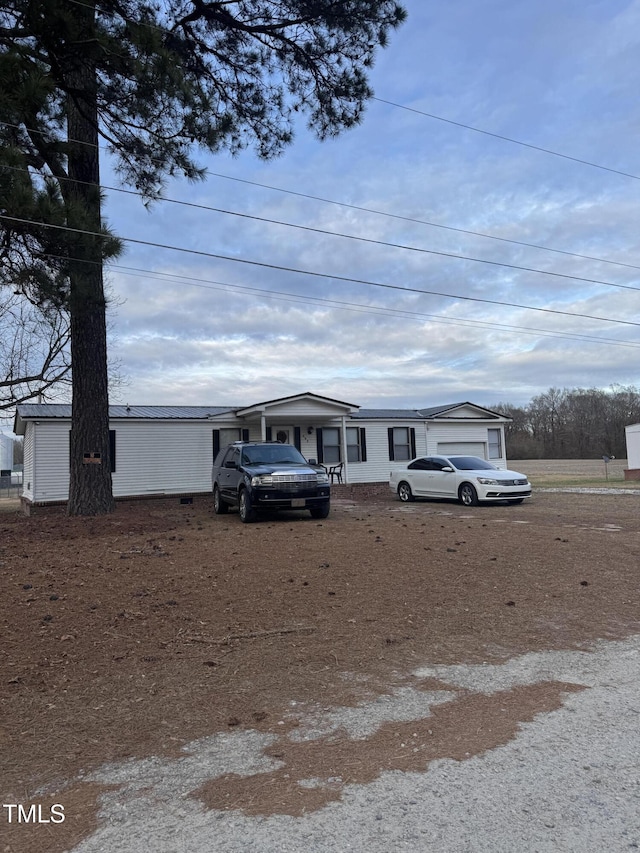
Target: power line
<point>388,244</point>
<point>508,139</point>
<point>347,279</point>
<point>295,298</point>
<point>452,255</point>
<point>415,221</point>
<point>362,209</point>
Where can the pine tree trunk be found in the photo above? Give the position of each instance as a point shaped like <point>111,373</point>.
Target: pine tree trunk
<point>90,486</point>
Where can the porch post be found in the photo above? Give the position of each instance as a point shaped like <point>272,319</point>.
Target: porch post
<point>263,427</point>
<point>343,449</point>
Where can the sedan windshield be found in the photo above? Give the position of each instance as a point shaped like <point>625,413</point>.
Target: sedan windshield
<point>471,463</point>
<point>272,454</point>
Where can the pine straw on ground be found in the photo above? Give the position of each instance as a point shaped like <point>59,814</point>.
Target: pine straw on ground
<point>133,634</point>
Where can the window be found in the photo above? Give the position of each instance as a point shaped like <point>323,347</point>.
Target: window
<point>356,444</point>
<point>402,443</point>
<point>222,437</point>
<point>421,465</point>
<point>495,444</point>
<point>330,445</point>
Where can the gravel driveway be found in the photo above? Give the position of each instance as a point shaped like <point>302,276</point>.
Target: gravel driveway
<point>568,781</point>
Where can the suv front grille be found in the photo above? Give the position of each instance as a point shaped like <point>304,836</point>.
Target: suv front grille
<point>293,479</point>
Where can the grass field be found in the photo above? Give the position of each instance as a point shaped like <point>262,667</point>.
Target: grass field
<point>588,473</point>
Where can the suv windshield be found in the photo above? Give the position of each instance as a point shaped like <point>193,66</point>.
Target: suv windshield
<point>271,454</point>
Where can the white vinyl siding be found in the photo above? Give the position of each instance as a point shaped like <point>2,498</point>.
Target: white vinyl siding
<point>378,467</point>
<point>462,448</point>
<point>162,457</point>
<point>467,439</point>
<point>27,474</point>
<point>51,461</point>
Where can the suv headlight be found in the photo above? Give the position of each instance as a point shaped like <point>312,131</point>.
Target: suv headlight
<point>487,481</point>
<point>262,480</point>
<point>323,478</point>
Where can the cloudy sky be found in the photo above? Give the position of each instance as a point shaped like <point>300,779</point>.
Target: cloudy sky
<point>434,254</point>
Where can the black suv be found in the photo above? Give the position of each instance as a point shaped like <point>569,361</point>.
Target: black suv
<point>260,476</point>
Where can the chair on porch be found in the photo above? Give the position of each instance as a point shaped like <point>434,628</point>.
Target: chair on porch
<point>335,471</point>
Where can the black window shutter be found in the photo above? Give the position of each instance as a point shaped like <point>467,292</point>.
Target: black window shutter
<point>245,435</point>
<point>319,445</point>
<point>268,433</point>
<point>296,438</point>
<point>363,444</point>
<point>112,449</point>
<point>216,443</point>
<point>390,435</point>
<point>412,435</point>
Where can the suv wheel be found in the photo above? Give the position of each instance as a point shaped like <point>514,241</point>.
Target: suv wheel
<point>219,506</point>
<point>321,511</point>
<point>245,508</point>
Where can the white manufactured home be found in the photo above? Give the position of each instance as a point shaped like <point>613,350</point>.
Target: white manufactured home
<point>169,450</point>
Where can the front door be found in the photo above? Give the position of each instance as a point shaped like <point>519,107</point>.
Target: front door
<point>287,434</point>
<point>283,434</point>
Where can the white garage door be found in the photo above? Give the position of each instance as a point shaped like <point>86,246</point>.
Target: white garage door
<point>462,448</point>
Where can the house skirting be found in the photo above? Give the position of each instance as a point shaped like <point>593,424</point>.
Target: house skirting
<point>339,491</point>
<point>360,491</point>
<point>632,473</point>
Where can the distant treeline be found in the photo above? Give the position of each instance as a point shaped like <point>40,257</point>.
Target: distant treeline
<point>581,423</point>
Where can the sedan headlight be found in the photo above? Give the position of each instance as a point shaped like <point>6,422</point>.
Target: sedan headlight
<point>487,481</point>
<point>262,480</point>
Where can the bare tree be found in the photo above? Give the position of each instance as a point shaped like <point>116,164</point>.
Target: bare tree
<point>35,360</point>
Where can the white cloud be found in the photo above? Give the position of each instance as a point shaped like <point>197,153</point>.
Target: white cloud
<point>557,77</point>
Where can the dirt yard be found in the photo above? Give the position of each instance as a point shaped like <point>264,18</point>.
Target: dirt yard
<point>133,634</point>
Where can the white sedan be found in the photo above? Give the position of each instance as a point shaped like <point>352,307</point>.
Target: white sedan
<point>468,479</point>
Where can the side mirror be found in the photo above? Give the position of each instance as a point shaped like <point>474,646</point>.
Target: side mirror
<point>448,469</point>
<point>312,461</point>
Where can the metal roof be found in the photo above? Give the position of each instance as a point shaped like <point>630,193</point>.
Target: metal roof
<point>409,414</point>
<point>387,414</point>
<point>63,410</point>
<point>42,411</point>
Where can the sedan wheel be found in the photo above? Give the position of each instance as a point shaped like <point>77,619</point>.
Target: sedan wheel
<point>468,495</point>
<point>404,492</point>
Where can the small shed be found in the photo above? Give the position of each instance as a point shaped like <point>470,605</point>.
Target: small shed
<point>6,455</point>
<point>632,434</point>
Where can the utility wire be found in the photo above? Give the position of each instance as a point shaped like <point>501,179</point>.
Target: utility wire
<point>415,221</point>
<point>320,301</point>
<point>508,139</point>
<point>388,244</point>
<point>366,282</point>
<point>359,208</point>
